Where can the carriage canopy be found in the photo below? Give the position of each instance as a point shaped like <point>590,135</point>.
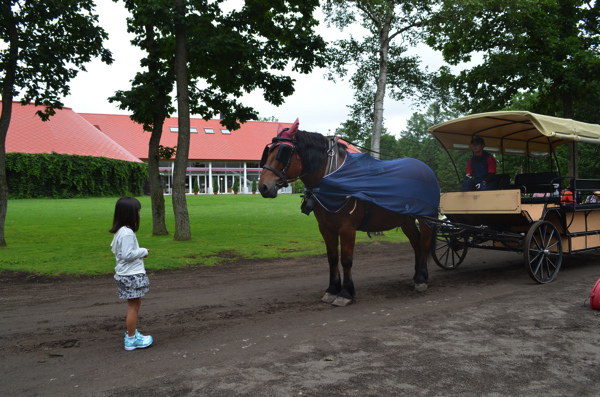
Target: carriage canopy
<point>514,132</point>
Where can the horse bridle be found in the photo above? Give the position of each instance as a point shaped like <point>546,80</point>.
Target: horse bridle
<point>287,147</point>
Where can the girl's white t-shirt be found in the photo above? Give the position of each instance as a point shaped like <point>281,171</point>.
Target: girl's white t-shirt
<point>128,253</point>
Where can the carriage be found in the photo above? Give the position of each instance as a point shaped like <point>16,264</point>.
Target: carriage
<point>526,214</point>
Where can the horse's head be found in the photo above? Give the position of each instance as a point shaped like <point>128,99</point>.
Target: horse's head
<point>280,162</point>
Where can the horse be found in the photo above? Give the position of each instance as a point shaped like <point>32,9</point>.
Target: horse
<point>310,156</point>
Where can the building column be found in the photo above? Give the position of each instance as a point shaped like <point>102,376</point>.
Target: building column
<point>210,179</point>
<point>172,174</point>
<point>245,180</point>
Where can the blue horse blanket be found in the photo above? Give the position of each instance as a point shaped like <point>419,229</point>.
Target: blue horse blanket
<point>405,186</point>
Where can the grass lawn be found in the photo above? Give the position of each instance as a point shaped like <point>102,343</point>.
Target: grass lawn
<point>47,236</point>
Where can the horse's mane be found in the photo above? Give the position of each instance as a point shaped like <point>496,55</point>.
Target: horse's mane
<point>312,148</point>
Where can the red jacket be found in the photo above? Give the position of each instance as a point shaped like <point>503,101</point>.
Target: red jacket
<point>567,196</point>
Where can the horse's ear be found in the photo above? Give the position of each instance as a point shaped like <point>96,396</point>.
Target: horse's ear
<point>290,132</point>
<point>279,129</point>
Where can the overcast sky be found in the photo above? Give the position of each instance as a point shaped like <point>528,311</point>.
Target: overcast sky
<point>321,105</point>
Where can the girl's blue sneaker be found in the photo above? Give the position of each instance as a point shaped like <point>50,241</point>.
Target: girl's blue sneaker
<point>138,341</point>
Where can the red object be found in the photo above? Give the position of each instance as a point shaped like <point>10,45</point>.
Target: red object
<point>595,296</point>
<point>567,196</point>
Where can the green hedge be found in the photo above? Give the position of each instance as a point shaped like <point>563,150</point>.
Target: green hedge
<point>67,176</point>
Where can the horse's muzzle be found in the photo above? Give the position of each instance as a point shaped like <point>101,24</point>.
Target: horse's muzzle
<point>268,191</point>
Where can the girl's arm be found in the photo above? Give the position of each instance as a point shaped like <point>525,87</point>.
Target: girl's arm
<point>129,252</point>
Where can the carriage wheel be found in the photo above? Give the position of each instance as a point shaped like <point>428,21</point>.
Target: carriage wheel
<point>543,252</point>
<point>448,252</point>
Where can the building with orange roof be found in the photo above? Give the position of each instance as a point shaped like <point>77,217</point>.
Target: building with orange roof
<point>66,133</point>
<point>215,152</point>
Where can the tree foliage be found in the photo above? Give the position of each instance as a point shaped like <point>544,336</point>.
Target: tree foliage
<point>228,54</point>
<point>46,43</point>
<point>379,59</point>
<point>547,47</point>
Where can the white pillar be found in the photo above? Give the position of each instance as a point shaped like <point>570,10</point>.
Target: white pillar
<point>172,176</point>
<point>210,179</point>
<point>245,179</point>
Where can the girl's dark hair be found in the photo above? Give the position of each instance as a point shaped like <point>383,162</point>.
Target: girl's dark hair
<point>126,214</point>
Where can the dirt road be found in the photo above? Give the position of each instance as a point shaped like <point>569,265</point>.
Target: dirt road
<point>259,329</point>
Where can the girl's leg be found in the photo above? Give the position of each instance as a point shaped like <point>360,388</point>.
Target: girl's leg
<point>133,307</point>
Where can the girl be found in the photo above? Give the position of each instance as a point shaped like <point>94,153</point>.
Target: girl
<point>131,277</point>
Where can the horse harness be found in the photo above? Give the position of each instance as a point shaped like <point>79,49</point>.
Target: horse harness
<point>287,147</point>
<point>333,163</point>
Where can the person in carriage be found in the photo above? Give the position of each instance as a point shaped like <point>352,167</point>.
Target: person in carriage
<point>593,198</point>
<point>481,168</point>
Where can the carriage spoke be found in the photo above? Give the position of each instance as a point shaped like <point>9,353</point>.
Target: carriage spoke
<point>445,248</point>
<point>537,259</point>
<point>537,244</point>
<point>550,266</point>
<point>456,255</point>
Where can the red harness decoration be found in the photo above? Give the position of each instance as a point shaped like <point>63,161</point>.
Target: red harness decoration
<point>289,133</point>
<point>595,296</point>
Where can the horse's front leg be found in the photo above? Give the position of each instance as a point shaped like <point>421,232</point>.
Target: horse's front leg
<point>335,283</point>
<point>347,241</point>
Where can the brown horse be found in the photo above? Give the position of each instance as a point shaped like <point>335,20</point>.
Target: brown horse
<point>309,157</point>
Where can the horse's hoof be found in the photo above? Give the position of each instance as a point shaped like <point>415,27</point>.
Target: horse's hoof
<point>421,287</point>
<point>328,298</point>
<point>341,302</point>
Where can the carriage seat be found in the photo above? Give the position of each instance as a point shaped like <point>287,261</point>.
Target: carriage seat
<point>503,181</point>
<point>587,184</point>
<point>539,182</point>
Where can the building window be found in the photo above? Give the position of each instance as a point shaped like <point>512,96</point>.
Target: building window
<point>176,129</point>
<point>209,130</point>
<point>224,131</point>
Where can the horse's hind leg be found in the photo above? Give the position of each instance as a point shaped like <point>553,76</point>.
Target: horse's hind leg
<point>347,241</point>
<point>420,242</point>
<point>335,283</point>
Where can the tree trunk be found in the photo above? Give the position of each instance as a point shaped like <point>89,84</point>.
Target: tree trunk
<point>10,68</point>
<point>159,228</point>
<point>384,43</point>
<point>182,220</point>
<point>573,146</point>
